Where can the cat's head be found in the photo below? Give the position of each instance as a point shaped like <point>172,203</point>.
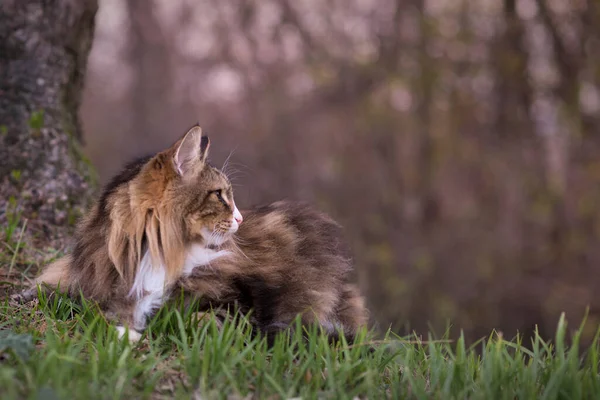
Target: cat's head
<point>190,200</point>
<point>200,192</point>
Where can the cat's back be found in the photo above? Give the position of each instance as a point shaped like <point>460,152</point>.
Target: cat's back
<point>290,222</point>
<point>291,233</point>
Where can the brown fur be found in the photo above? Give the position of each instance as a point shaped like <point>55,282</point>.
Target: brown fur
<point>160,203</point>
<point>288,260</point>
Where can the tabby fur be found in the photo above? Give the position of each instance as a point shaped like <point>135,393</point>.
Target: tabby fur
<point>287,259</point>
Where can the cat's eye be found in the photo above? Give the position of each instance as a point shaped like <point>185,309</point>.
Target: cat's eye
<point>219,194</point>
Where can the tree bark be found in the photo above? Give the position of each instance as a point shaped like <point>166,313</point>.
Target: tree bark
<point>44,45</point>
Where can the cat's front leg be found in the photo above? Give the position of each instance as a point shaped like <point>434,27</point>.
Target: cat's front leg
<point>122,314</point>
<point>132,335</point>
<point>25,296</point>
<point>137,313</point>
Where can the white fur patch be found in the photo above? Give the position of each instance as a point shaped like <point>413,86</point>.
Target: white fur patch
<point>148,277</point>
<point>134,336</point>
<point>149,286</point>
<point>199,255</point>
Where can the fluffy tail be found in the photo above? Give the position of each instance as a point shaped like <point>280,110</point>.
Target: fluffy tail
<point>351,311</point>
<point>54,275</point>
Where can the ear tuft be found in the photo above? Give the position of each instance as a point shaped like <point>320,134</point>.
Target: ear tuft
<point>204,146</point>
<point>189,157</point>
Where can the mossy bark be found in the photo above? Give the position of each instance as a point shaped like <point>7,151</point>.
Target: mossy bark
<point>44,46</point>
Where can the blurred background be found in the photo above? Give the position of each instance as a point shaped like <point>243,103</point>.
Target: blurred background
<point>456,141</point>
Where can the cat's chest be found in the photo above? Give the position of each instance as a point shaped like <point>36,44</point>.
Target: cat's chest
<point>150,283</point>
<point>152,278</point>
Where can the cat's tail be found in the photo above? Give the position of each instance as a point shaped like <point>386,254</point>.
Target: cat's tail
<point>351,313</point>
<point>54,275</point>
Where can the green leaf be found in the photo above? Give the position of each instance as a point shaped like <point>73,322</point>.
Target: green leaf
<point>20,344</point>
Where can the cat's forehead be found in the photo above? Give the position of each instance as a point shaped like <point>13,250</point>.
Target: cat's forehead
<point>212,175</point>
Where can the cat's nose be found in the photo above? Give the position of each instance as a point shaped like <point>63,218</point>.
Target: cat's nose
<point>237,215</point>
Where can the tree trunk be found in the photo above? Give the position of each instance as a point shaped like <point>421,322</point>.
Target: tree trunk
<point>44,45</point>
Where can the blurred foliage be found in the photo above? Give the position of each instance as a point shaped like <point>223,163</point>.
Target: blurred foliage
<point>457,141</point>
<point>20,344</point>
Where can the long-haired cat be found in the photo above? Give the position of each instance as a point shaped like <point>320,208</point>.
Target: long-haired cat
<point>170,215</point>
<point>154,222</point>
<point>286,259</point>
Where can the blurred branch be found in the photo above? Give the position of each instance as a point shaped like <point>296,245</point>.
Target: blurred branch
<point>149,57</point>
<point>390,44</point>
<point>425,88</point>
<point>569,64</point>
<point>514,88</point>
<point>566,62</point>
<point>313,49</point>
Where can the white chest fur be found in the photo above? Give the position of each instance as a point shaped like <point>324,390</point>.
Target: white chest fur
<point>149,285</point>
<point>199,255</point>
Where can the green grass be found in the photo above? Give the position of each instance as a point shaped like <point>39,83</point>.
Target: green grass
<point>62,349</point>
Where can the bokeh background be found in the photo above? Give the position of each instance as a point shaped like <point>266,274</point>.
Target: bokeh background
<point>456,141</point>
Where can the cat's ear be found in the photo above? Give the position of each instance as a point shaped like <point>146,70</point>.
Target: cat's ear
<point>190,155</point>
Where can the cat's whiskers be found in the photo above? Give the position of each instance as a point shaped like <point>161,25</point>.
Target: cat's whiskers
<point>242,166</point>
<point>220,238</point>
<point>233,175</point>
<point>217,237</point>
<point>211,238</point>
<point>226,163</point>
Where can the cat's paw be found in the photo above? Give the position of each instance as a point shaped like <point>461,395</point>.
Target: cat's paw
<point>205,318</point>
<point>24,296</point>
<point>134,336</point>
<point>16,298</point>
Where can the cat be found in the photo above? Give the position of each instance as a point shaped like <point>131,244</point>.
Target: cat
<point>155,221</point>
<point>169,221</point>
<point>286,259</point>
